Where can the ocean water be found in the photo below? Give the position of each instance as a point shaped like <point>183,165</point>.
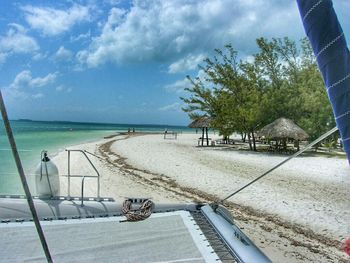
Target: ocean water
<point>34,136</point>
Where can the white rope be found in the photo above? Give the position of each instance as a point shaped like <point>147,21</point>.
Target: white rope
<point>329,44</point>
<point>311,9</point>
<point>338,82</point>
<point>342,115</point>
<point>346,139</point>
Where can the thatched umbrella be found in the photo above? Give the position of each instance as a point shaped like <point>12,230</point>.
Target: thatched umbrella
<point>283,129</point>
<point>203,123</point>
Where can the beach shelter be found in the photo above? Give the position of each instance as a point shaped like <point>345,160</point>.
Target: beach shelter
<point>203,123</point>
<point>283,129</point>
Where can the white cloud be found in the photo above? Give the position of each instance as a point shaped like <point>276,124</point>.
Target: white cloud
<point>52,21</point>
<point>112,2</point>
<point>189,62</point>
<point>37,96</point>
<point>172,107</point>
<point>16,41</point>
<point>178,86</point>
<point>249,59</point>
<point>168,30</point>
<point>81,37</point>
<point>18,27</point>
<point>18,89</point>
<point>14,94</point>
<point>202,76</point>
<point>62,88</point>
<point>24,79</point>
<point>3,57</point>
<point>63,54</point>
<point>39,56</point>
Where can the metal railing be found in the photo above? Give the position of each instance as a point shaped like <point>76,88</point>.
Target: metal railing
<point>69,175</point>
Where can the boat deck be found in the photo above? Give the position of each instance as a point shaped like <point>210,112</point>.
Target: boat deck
<point>164,237</point>
<point>97,232</point>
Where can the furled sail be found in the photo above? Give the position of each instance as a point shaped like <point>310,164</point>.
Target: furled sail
<point>328,42</point>
<point>329,45</point>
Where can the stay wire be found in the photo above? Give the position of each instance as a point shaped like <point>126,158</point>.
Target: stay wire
<point>23,179</point>
<point>319,139</point>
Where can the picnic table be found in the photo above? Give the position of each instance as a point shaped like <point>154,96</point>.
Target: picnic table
<point>223,141</point>
<point>205,139</point>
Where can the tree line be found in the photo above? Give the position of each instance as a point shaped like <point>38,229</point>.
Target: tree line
<point>281,80</point>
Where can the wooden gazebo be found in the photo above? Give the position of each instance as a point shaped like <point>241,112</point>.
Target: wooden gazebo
<point>203,123</point>
<point>283,129</point>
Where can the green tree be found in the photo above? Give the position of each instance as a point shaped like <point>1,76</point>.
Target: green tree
<point>317,117</point>
<point>235,100</point>
<point>202,100</point>
<point>281,81</point>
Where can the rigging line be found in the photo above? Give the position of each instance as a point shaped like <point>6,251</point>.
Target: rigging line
<point>17,150</point>
<point>23,179</point>
<point>322,137</point>
<point>27,174</point>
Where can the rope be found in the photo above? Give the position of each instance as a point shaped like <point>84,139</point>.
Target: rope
<point>142,213</point>
<point>319,139</point>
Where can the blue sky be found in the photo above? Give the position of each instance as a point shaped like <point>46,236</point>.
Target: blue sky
<point>125,61</point>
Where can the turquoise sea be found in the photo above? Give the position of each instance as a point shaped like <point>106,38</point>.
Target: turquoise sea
<point>34,136</point>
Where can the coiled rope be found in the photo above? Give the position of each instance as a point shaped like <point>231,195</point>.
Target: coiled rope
<point>142,213</point>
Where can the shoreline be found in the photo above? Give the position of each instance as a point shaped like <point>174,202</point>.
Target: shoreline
<point>283,241</point>
<point>113,180</point>
<point>61,148</point>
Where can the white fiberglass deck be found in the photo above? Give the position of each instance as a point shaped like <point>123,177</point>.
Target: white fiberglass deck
<point>164,237</point>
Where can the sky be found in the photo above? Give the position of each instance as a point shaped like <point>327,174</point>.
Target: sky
<point>116,61</point>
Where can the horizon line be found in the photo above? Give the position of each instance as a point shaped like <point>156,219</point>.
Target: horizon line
<point>93,122</point>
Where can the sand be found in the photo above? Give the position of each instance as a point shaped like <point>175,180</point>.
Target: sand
<point>114,183</point>
<point>298,213</point>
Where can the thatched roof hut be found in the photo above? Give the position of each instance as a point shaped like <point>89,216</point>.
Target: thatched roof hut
<point>283,128</point>
<point>201,122</point>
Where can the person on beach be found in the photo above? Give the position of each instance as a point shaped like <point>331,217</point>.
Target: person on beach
<point>133,130</point>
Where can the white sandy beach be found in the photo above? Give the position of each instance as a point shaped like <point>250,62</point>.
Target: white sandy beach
<point>298,213</point>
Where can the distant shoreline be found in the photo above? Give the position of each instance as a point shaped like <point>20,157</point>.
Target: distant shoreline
<point>131,125</point>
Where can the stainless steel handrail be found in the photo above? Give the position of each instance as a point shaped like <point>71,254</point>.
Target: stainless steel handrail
<point>82,191</point>
<point>83,176</point>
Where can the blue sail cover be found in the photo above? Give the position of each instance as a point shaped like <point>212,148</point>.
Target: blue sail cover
<point>329,45</point>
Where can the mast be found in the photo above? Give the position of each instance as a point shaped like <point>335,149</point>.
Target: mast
<point>23,179</point>
<point>330,48</point>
